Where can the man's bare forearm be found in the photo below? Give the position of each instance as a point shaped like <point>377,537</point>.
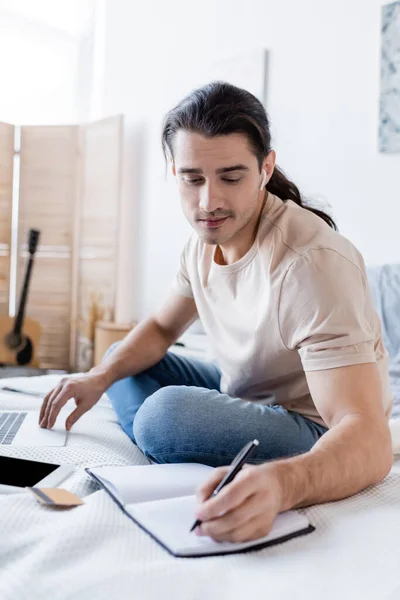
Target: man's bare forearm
<point>348,458</point>
<point>142,348</point>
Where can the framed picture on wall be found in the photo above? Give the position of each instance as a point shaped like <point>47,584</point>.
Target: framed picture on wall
<point>389,126</point>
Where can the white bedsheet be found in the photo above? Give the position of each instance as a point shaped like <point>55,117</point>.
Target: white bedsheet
<point>95,552</point>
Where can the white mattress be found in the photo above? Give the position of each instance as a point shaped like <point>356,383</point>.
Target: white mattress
<point>95,552</point>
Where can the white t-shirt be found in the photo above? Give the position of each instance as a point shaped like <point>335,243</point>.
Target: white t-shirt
<point>297,301</point>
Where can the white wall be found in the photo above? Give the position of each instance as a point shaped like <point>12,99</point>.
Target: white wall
<point>64,15</point>
<point>38,72</point>
<point>323,102</point>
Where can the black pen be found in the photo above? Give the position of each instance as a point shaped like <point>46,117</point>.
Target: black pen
<point>236,465</point>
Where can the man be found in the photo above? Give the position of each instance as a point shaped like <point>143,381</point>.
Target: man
<point>283,298</point>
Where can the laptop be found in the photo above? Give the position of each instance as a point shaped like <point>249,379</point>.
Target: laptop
<point>21,428</point>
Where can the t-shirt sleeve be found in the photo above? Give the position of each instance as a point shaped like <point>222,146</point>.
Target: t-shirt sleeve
<point>326,312</point>
<point>182,283</point>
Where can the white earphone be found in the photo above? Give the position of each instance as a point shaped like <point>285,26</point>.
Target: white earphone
<point>264,180</point>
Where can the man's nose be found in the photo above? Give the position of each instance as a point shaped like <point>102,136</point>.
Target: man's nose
<point>210,198</point>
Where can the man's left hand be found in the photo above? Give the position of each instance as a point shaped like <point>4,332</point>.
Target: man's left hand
<point>243,510</point>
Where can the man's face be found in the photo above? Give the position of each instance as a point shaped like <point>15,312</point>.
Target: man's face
<point>219,184</point>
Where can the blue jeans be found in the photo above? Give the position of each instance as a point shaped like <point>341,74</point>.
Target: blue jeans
<point>175,412</point>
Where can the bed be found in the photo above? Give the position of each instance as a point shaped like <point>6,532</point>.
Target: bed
<point>95,552</point>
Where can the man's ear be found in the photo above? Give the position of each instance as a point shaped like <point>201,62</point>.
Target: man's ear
<point>173,169</point>
<point>269,163</point>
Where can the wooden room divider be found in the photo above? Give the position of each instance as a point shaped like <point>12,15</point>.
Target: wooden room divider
<point>69,189</point>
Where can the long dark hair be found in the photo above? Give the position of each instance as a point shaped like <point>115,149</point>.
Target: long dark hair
<point>220,108</point>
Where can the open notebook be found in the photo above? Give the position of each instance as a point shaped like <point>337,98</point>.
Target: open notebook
<point>160,499</point>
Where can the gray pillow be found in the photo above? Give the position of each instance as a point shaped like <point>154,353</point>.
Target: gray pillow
<point>385,288</point>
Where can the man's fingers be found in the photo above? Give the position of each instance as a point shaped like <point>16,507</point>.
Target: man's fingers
<point>250,530</point>
<point>230,497</point>
<point>235,519</point>
<point>47,401</point>
<point>207,488</point>
<point>44,405</point>
<point>74,416</point>
<point>56,405</point>
<point>53,394</point>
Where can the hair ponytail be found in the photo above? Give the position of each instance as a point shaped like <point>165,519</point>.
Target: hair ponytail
<point>281,186</point>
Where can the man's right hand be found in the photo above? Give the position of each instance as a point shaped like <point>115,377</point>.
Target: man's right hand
<point>143,347</point>
<point>85,389</point>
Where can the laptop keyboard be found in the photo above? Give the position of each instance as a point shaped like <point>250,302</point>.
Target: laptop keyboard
<point>10,422</point>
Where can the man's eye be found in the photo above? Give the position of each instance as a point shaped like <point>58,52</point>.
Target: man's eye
<point>199,180</point>
<point>194,181</point>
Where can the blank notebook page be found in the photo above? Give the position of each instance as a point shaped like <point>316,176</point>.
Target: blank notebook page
<point>153,482</point>
<point>170,521</point>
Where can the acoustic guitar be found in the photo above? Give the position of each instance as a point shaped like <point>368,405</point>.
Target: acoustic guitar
<point>19,336</point>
